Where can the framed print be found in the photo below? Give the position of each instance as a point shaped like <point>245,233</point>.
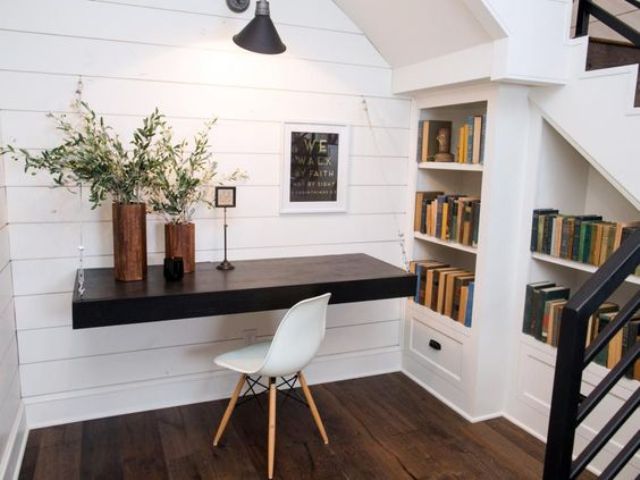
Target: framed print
<point>315,168</point>
<point>225,197</point>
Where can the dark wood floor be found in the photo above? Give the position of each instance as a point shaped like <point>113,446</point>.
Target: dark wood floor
<point>383,427</point>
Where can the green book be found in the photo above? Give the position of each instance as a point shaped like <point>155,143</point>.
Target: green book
<point>528,301</point>
<point>540,297</point>
<point>604,319</point>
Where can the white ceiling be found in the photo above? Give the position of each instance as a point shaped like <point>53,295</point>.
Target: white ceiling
<point>410,31</point>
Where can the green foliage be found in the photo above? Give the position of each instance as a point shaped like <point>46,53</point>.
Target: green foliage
<point>186,177</point>
<point>92,154</point>
<point>170,176</point>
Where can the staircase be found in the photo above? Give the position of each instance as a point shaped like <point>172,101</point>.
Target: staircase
<point>595,111</point>
<point>568,406</point>
<point>603,93</point>
<point>603,53</point>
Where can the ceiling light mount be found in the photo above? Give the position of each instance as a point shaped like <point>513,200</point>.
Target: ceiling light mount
<point>238,6</point>
<point>260,34</point>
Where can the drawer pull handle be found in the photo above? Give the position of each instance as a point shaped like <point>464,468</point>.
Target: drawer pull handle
<point>435,345</point>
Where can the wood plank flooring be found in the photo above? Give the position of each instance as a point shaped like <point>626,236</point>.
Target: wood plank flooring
<point>383,427</point>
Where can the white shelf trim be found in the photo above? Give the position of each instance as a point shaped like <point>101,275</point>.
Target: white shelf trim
<point>446,243</point>
<point>465,167</point>
<point>442,320</point>
<point>585,267</point>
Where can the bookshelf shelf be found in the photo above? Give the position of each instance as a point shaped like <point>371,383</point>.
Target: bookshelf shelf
<point>461,167</point>
<point>594,373</point>
<point>438,241</point>
<point>442,322</point>
<point>633,279</point>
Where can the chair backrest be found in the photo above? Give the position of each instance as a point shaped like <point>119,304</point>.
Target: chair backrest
<point>298,337</point>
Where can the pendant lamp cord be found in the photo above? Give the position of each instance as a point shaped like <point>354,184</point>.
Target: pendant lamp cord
<point>400,230</point>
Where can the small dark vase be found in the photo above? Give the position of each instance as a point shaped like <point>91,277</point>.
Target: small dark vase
<point>173,269</point>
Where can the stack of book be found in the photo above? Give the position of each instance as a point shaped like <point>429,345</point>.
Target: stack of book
<point>544,303</point>
<point>471,140</point>
<point>444,289</point>
<point>581,238</point>
<point>451,217</point>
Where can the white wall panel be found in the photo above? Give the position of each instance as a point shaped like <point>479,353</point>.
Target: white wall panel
<point>177,55</point>
<point>103,370</point>
<point>41,311</point>
<point>146,61</point>
<point>44,344</point>
<point>10,401</point>
<point>7,328</point>
<point>4,247</point>
<point>58,204</point>
<point>171,28</point>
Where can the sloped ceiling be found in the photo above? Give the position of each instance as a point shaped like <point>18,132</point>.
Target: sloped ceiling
<point>410,31</point>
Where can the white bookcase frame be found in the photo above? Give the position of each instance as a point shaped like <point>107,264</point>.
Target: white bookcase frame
<point>482,351</point>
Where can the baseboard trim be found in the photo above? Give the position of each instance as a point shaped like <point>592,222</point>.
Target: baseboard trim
<point>16,444</point>
<point>452,406</point>
<point>57,409</point>
<point>542,438</point>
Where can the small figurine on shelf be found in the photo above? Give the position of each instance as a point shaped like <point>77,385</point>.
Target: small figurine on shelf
<point>444,144</point>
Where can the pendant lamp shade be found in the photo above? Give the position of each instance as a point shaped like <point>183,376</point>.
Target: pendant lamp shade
<point>260,34</point>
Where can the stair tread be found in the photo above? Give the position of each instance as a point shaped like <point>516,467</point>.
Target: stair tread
<point>603,53</point>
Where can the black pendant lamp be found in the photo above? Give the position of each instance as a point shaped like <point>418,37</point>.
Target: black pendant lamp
<point>260,35</point>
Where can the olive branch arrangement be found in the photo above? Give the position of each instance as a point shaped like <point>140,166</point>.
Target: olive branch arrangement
<point>173,179</point>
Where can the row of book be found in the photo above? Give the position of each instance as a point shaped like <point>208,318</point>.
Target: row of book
<point>471,140</point>
<point>581,238</point>
<point>444,289</point>
<point>434,141</point>
<point>544,303</point>
<point>451,217</point>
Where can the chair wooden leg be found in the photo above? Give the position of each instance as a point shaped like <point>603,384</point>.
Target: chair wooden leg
<point>230,406</point>
<point>272,425</point>
<point>313,408</point>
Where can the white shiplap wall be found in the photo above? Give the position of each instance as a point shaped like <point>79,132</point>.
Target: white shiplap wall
<point>178,55</point>
<point>10,403</point>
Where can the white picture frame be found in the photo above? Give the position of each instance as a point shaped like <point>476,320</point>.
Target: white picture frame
<point>310,155</point>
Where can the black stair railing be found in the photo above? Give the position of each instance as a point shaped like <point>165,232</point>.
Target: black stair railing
<point>568,406</point>
<point>588,8</point>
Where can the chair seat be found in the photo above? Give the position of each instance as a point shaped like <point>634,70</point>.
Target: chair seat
<point>247,359</point>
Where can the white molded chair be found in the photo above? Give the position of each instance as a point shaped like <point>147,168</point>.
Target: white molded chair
<point>294,345</point>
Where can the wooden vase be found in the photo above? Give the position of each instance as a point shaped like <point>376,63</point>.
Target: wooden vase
<point>129,241</point>
<point>180,241</point>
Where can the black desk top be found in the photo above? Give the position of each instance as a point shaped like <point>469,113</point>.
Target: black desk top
<point>254,285</point>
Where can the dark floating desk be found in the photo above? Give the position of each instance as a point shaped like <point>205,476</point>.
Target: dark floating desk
<point>254,285</point>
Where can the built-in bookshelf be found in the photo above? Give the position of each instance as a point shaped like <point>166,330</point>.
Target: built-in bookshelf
<point>460,167</point>
<point>570,264</point>
<point>569,185</point>
<point>447,243</point>
<point>444,236</point>
<point>569,188</point>
<point>446,227</point>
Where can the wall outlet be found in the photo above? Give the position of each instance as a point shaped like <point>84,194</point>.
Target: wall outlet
<point>250,335</point>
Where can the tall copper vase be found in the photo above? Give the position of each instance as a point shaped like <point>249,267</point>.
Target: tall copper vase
<point>129,241</point>
<point>180,241</point>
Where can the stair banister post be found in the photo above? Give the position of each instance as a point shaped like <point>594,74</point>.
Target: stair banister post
<point>566,394</point>
<point>582,19</point>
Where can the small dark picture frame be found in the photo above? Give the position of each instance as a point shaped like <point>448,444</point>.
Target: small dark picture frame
<point>225,197</point>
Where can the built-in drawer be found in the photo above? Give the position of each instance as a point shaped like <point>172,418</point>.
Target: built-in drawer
<point>437,348</point>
